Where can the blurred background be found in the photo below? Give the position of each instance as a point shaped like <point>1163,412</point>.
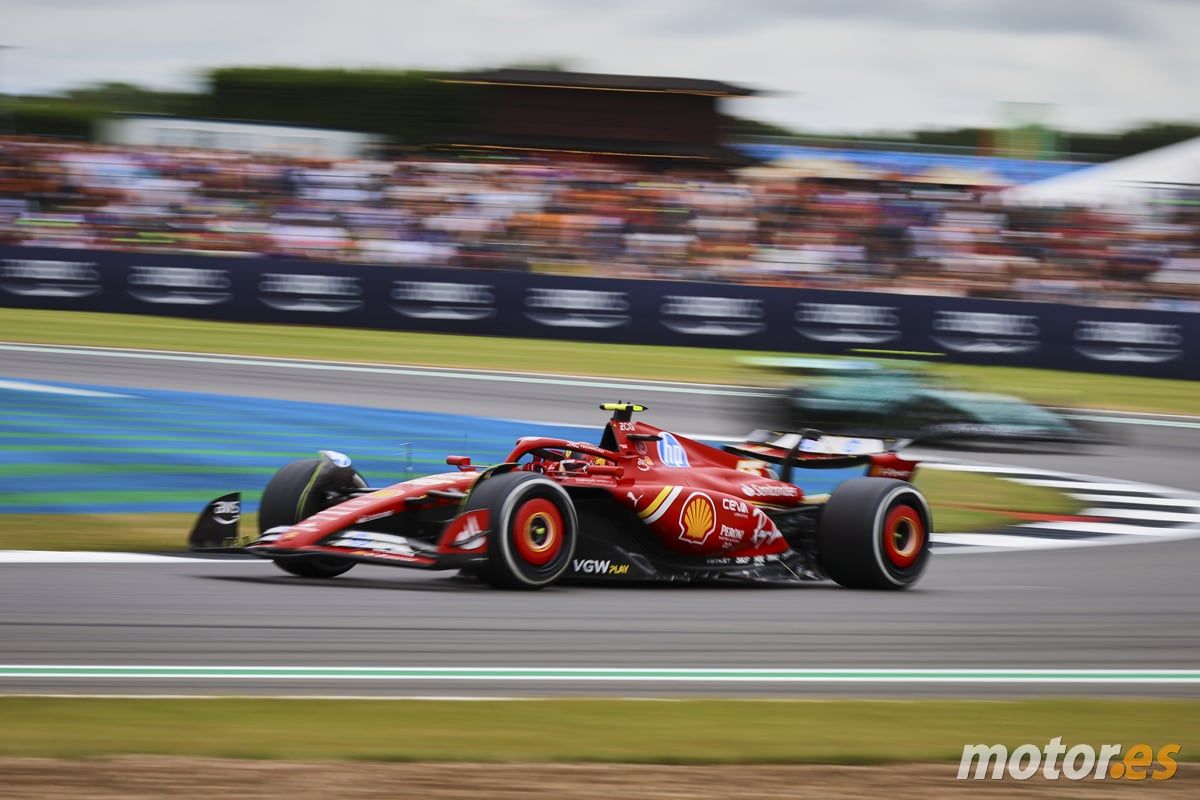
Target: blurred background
<point>950,149</point>
<point>561,172</point>
<point>402,230</point>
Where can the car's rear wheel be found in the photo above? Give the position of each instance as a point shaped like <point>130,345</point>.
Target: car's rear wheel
<point>533,529</point>
<point>874,534</point>
<point>296,492</point>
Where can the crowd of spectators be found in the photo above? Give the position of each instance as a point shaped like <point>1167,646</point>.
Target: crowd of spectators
<point>610,219</point>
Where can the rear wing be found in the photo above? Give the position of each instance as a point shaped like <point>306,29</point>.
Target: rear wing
<point>813,450</point>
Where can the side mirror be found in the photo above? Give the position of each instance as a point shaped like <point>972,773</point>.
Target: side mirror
<point>462,462</point>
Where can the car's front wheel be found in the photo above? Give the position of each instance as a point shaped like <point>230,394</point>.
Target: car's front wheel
<point>296,492</point>
<point>533,529</point>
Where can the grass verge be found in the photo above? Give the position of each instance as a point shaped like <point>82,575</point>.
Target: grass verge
<point>675,731</point>
<point>120,533</point>
<point>537,355</point>
<point>969,501</point>
<point>163,532</point>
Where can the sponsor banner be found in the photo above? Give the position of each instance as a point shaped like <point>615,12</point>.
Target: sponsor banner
<point>986,332</point>
<point>49,277</point>
<point>847,323</point>
<point>180,285</point>
<point>577,308</point>
<point>443,300</point>
<point>1135,342</point>
<point>519,304</point>
<point>326,294</point>
<point>709,315</point>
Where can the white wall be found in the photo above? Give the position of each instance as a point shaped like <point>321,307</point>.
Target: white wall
<point>240,136</point>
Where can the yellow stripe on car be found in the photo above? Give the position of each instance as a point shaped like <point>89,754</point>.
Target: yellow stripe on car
<point>655,503</point>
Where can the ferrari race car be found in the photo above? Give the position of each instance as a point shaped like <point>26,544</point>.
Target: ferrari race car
<point>643,504</point>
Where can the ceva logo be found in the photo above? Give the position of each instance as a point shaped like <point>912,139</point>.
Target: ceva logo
<point>671,452</point>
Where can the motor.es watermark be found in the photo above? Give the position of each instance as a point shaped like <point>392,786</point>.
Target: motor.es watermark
<point>1137,762</point>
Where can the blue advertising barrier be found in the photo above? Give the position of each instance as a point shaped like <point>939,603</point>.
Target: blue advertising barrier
<point>1023,334</point>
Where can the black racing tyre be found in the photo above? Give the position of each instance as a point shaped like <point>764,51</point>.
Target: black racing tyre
<point>874,534</point>
<point>533,529</point>
<point>296,492</point>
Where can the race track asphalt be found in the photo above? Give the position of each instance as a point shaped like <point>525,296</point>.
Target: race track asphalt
<point>1113,607</point>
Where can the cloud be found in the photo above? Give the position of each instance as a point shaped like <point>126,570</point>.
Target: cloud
<point>836,64</point>
<point>1117,18</point>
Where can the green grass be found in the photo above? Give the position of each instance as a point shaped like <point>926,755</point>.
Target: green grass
<point>683,731</point>
<point>122,533</point>
<point>537,355</point>
<point>970,501</point>
<point>163,532</point>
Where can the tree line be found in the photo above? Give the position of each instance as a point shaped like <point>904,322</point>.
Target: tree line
<point>413,108</point>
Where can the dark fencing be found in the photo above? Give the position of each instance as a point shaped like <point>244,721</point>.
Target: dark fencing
<point>1150,343</point>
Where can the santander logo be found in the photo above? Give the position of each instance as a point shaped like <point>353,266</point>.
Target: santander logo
<point>769,490</point>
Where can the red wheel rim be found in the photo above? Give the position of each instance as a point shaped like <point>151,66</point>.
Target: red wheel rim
<point>538,531</point>
<point>903,536</point>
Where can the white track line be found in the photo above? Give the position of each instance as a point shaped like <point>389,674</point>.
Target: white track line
<point>1081,485</point>
<point>584,382</point>
<point>1109,497</point>
<point>1115,413</point>
<point>98,557</point>
<point>546,675</point>
<point>990,469</point>
<point>1160,423</point>
<point>42,388</point>
<point>1111,528</point>
<point>1142,513</point>
<point>981,542</point>
<point>1134,500</point>
<point>442,698</point>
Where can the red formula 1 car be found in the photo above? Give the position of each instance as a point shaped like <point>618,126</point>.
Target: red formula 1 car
<point>641,505</point>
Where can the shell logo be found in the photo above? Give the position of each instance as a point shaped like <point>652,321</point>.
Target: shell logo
<point>698,519</point>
